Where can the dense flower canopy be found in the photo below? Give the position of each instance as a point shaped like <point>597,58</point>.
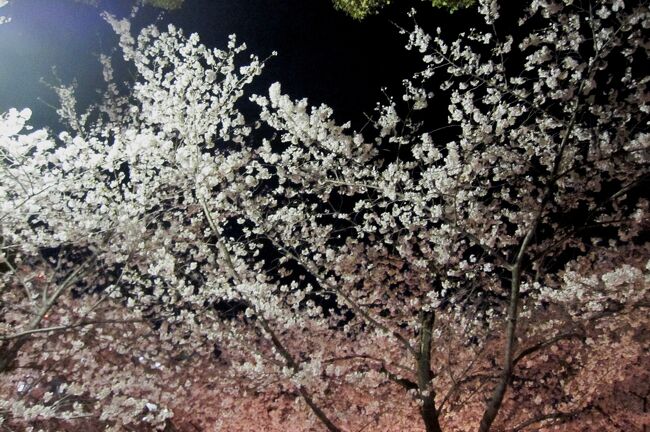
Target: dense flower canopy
<point>168,262</point>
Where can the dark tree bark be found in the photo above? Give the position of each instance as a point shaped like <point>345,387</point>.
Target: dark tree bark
<point>428,411</point>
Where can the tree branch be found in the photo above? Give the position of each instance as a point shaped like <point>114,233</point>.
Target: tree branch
<point>544,417</point>
<point>494,404</point>
<point>351,303</point>
<point>290,361</point>
<point>66,328</point>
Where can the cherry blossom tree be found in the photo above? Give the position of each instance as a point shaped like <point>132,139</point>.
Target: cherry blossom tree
<point>490,272</point>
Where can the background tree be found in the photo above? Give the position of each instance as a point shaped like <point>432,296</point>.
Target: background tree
<point>359,9</point>
<point>492,278</point>
<point>166,4</point>
<point>163,4</point>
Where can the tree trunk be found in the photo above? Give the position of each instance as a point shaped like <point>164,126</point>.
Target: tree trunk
<point>495,401</point>
<point>430,415</point>
<point>428,409</point>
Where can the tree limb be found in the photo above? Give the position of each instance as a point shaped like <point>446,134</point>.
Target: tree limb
<point>553,416</point>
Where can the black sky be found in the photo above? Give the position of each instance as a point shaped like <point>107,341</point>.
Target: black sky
<point>323,54</point>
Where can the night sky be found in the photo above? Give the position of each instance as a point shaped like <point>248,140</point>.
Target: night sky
<point>323,54</point>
